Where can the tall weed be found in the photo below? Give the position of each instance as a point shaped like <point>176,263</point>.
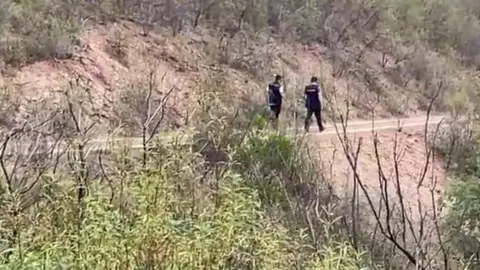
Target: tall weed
<point>164,223</point>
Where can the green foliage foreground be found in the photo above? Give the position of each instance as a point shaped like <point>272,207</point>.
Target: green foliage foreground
<point>179,213</point>
<point>460,145</point>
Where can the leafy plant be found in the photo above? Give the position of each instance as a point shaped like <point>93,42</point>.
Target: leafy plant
<point>463,204</point>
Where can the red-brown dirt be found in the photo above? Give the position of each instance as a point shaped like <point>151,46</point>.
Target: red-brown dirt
<point>400,172</point>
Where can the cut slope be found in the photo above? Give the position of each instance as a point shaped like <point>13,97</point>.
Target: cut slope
<point>111,58</point>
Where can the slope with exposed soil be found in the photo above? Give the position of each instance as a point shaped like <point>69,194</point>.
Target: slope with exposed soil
<point>391,174</point>
<point>116,56</point>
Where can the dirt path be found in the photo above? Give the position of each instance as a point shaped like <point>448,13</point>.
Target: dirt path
<point>398,161</point>
<point>353,127</point>
<point>401,146</point>
<point>402,160</point>
<point>380,125</point>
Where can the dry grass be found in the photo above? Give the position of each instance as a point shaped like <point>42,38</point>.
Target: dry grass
<point>150,70</point>
<point>110,57</point>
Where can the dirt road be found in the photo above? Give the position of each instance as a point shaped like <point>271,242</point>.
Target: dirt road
<point>410,158</point>
<point>416,123</point>
<point>353,127</point>
<point>391,160</point>
<point>379,125</point>
<point>420,177</point>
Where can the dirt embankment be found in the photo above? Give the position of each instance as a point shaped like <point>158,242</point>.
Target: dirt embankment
<point>397,178</point>
<point>114,57</point>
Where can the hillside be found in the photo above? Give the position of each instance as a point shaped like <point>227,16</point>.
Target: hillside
<point>235,194</point>
<point>358,60</point>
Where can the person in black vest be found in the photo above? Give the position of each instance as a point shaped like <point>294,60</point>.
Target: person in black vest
<point>275,98</point>
<point>313,102</point>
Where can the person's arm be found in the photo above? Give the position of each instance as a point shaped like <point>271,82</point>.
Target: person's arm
<point>305,95</point>
<point>267,96</point>
<point>281,90</point>
<point>320,96</point>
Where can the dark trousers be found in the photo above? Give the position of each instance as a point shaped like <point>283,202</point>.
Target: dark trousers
<point>276,109</point>
<point>318,116</point>
<point>275,113</point>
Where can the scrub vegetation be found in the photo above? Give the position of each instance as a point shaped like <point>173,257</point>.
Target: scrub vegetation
<point>229,193</point>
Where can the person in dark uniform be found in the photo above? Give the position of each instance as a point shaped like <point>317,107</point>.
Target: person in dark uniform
<point>275,99</point>
<point>313,103</point>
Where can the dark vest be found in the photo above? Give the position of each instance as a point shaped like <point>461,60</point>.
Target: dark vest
<point>312,101</point>
<point>274,94</point>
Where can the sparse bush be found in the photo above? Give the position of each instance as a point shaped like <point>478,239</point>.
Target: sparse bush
<point>117,46</point>
<point>36,30</point>
<point>166,218</point>
<point>470,51</point>
<point>460,146</point>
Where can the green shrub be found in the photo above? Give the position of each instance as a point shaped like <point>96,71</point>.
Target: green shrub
<point>262,158</point>
<point>272,151</point>
<point>459,144</point>
<point>462,220</point>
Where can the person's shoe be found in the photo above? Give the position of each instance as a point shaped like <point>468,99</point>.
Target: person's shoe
<point>322,129</point>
